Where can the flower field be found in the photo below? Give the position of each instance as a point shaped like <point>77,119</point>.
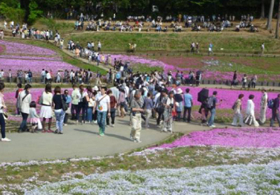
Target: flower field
<point>24,49</point>
<point>234,179</point>
<point>248,137</point>
<point>19,56</point>
<point>214,68</point>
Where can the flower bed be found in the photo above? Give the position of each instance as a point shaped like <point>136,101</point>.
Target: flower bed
<point>18,56</point>
<point>1,49</point>
<point>227,97</point>
<point>243,137</point>
<point>224,179</point>
<point>20,48</point>
<point>35,66</point>
<point>30,57</point>
<point>192,64</point>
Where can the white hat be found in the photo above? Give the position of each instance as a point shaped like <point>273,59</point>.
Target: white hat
<point>95,88</point>
<point>179,91</point>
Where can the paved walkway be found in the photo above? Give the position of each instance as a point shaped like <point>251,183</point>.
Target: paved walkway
<point>82,141</point>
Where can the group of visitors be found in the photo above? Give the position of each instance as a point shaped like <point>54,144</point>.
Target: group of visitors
<point>141,96</point>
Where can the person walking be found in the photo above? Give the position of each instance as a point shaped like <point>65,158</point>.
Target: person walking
<point>244,81</point>
<point>169,108</point>
<point>90,104</point>
<point>234,79</point>
<point>210,49</point>
<point>178,98</point>
<point>188,103</point>
<point>20,89</point>
<point>68,111</point>
<point>121,103</point>
<point>136,110</point>
<point>254,81</point>
<point>25,99</point>
<point>113,107</point>
<point>262,49</point>
<point>99,46</point>
<point>212,103</point>
<point>250,113</point>
<point>58,101</point>
<point>34,118</point>
<point>237,107</point>
<point>103,106</point>
<point>2,119</point>
<point>46,108</point>
<point>159,106</point>
<point>263,105</point>
<point>83,104</point>
<point>76,97</point>
<point>275,112</point>
<point>148,106</point>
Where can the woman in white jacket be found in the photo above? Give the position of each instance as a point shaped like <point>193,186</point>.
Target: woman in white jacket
<point>25,99</point>
<point>250,111</point>
<point>263,107</point>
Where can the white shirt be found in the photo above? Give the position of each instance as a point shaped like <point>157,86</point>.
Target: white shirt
<point>103,104</point>
<point>99,44</point>
<point>48,76</point>
<point>250,108</point>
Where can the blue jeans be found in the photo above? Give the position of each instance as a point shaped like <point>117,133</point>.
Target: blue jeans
<point>212,117</point>
<point>89,114</point>
<point>101,119</point>
<point>59,116</point>
<point>23,125</point>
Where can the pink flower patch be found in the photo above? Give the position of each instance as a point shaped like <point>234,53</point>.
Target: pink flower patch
<point>243,137</point>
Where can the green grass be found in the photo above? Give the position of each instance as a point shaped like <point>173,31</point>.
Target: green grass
<point>65,57</point>
<point>230,42</point>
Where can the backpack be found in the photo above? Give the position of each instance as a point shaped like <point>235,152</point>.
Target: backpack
<point>210,102</point>
<point>270,103</point>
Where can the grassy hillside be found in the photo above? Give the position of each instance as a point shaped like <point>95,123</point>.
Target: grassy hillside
<point>223,42</point>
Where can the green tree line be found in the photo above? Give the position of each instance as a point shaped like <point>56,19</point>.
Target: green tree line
<point>29,10</point>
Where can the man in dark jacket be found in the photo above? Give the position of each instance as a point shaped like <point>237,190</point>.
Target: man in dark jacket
<point>275,112</point>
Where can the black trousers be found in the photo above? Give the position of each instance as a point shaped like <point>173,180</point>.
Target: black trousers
<point>160,116</point>
<point>3,126</point>
<point>189,110</point>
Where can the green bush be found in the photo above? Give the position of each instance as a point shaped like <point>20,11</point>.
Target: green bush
<point>12,13</point>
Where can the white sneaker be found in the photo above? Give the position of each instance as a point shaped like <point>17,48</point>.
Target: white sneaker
<point>131,138</point>
<point>64,125</point>
<point>5,139</point>
<point>212,126</point>
<point>112,125</point>
<point>233,124</point>
<point>137,141</point>
<point>95,122</point>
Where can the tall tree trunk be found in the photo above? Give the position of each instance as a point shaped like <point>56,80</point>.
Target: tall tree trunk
<point>24,4</point>
<point>277,23</point>
<point>263,10</point>
<point>269,21</point>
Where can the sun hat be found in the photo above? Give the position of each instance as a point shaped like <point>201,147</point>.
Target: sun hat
<point>179,91</point>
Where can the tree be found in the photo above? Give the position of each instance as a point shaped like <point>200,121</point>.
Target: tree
<point>34,12</point>
<point>269,21</point>
<point>11,12</point>
<point>263,9</point>
<point>277,23</point>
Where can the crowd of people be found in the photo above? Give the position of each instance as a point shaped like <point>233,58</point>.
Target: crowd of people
<point>211,23</point>
<point>139,96</point>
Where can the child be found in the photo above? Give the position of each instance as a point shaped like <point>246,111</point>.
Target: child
<point>34,118</point>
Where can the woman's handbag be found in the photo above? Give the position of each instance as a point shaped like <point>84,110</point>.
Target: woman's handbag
<point>5,115</point>
<point>64,105</point>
